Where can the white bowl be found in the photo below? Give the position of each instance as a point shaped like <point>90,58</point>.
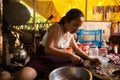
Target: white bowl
<point>103,60</point>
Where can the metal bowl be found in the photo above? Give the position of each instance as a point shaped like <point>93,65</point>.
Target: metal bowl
<point>70,73</point>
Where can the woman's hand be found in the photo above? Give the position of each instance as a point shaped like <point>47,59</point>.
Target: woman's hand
<point>76,59</point>
<point>95,62</point>
<point>92,63</point>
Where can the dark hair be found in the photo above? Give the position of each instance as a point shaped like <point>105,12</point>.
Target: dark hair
<point>71,15</point>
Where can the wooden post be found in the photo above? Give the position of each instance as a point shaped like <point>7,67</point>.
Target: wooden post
<point>34,23</point>
<point>14,0</point>
<point>1,6</point>
<point>5,33</point>
<point>86,9</point>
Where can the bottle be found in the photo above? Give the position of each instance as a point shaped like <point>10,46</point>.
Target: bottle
<point>93,51</point>
<point>104,44</point>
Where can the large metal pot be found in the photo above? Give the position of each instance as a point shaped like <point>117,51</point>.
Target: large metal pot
<point>70,73</point>
<point>16,13</point>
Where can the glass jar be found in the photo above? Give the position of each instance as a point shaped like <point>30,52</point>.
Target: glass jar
<point>102,52</point>
<point>93,51</point>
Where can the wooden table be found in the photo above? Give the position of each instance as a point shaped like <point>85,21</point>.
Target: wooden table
<point>110,65</point>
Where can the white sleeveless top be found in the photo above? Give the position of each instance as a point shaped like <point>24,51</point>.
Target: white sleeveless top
<point>61,41</point>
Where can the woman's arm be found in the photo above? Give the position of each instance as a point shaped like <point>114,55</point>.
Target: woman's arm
<point>81,53</point>
<point>50,48</point>
<point>78,51</point>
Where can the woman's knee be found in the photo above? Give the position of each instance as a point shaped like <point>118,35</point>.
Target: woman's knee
<point>28,73</point>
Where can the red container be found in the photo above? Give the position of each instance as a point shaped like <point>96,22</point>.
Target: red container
<point>80,46</point>
<point>85,46</point>
<point>102,52</point>
<point>69,49</point>
<point>92,44</point>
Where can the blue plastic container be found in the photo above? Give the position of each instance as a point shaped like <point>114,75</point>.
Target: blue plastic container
<point>94,33</point>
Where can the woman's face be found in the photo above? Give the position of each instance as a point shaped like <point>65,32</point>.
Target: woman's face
<point>74,25</point>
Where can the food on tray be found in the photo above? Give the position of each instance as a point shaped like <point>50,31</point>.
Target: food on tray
<point>114,58</point>
<point>104,72</point>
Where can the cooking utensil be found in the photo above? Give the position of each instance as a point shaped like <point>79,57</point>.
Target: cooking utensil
<point>16,13</point>
<point>70,73</point>
<point>20,53</point>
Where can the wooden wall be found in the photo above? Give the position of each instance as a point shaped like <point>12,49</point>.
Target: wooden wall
<point>95,25</point>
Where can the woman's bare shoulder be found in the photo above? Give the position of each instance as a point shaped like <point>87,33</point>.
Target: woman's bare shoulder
<point>54,26</point>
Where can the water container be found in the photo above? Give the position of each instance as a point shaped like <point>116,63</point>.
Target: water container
<point>104,44</point>
<point>93,51</point>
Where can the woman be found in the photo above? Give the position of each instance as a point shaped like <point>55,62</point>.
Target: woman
<point>52,52</point>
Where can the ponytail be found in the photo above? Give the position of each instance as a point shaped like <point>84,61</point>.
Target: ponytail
<point>62,20</point>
